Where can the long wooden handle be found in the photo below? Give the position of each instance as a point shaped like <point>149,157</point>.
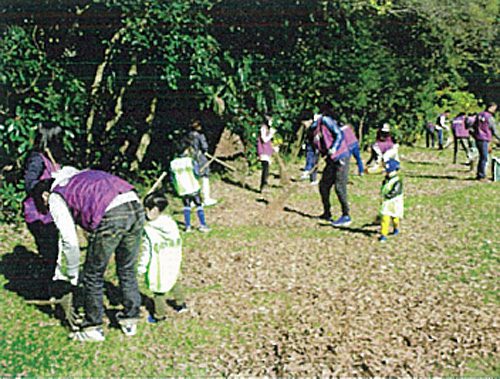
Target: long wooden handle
<point>221,162</point>
<point>51,157</point>
<point>157,183</point>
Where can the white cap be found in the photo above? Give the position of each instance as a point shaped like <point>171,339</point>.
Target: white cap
<point>386,127</point>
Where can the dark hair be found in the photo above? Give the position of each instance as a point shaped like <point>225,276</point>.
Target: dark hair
<point>155,199</point>
<point>326,109</point>
<point>37,192</point>
<point>50,136</point>
<point>306,114</point>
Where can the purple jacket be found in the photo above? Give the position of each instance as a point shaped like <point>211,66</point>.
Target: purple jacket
<point>349,136</point>
<point>89,193</point>
<point>264,148</point>
<point>459,128</point>
<point>385,145</point>
<point>31,213</point>
<point>324,139</point>
<point>483,126</point>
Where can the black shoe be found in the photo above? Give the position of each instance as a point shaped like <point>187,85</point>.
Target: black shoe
<point>325,216</point>
<point>180,308</point>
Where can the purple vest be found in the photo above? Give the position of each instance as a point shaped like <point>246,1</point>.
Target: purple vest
<point>264,148</point>
<point>483,131</point>
<point>31,214</point>
<point>89,193</point>
<point>323,139</point>
<point>458,127</point>
<point>349,136</point>
<point>385,145</point>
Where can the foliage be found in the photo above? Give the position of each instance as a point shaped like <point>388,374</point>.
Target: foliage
<point>125,77</point>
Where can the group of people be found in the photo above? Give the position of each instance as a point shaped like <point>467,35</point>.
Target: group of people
<point>326,137</point>
<point>473,132</point>
<point>141,235</point>
<point>109,209</point>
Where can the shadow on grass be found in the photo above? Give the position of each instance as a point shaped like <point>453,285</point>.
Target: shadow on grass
<point>239,184</point>
<point>28,277</point>
<point>439,177</point>
<point>300,213</point>
<point>360,230</point>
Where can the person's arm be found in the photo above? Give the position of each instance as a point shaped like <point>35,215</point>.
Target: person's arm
<point>442,122</point>
<point>67,231</point>
<point>264,136</point>
<point>145,256</point>
<point>34,170</point>
<point>203,143</point>
<point>335,129</point>
<point>493,128</point>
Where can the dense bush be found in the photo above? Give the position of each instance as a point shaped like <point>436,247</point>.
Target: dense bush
<point>125,77</point>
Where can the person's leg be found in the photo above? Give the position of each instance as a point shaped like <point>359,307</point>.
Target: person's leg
<point>427,138</point>
<point>186,201</point>
<point>482,147</point>
<point>325,186</point>
<point>357,155</point>
<point>440,139</point>
<point>384,225</point>
<point>101,245</point>
<point>465,148</point>
<point>46,239</point>
<point>264,175</point>
<point>199,211</point>
<point>160,306</point>
<point>395,222</point>
<point>455,148</point>
<point>341,175</point>
<point>126,257</point>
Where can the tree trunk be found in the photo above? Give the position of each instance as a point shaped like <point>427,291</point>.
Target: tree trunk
<point>146,137</point>
<point>132,73</point>
<point>99,75</point>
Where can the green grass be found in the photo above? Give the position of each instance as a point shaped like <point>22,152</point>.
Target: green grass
<point>463,253</point>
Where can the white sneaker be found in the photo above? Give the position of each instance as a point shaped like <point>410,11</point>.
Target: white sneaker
<point>314,183</point>
<point>128,327</point>
<point>209,202</point>
<point>90,334</point>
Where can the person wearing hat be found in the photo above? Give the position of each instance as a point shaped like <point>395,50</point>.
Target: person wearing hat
<point>442,124</point>
<point>383,149</point>
<point>199,147</point>
<point>392,207</point>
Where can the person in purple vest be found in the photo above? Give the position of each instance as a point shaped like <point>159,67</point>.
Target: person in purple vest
<point>353,145</point>
<point>40,164</point>
<point>460,135</point>
<point>430,134</point>
<point>329,140</point>
<point>265,150</point>
<point>382,150</point>
<point>484,130</point>
<point>109,209</point>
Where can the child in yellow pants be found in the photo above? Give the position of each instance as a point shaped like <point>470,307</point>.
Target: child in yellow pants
<point>392,207</point>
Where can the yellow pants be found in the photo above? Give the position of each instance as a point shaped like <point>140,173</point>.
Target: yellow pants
<point>386,221</point>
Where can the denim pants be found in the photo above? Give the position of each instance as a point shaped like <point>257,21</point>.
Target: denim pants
<point>354,148</point>
<point>482,147</point>
<point>440,137</point>
<point>311,161</point>
<point>336,173</point>
<point>120,232</point>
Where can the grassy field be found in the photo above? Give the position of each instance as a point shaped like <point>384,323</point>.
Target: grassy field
<point>280,293</point>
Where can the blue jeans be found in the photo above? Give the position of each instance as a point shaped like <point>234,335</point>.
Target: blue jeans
<point>311,161</point>
<point>482,147</point>
<point>120,232</point>
<point>440,138</point>
<point>354,148</point>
